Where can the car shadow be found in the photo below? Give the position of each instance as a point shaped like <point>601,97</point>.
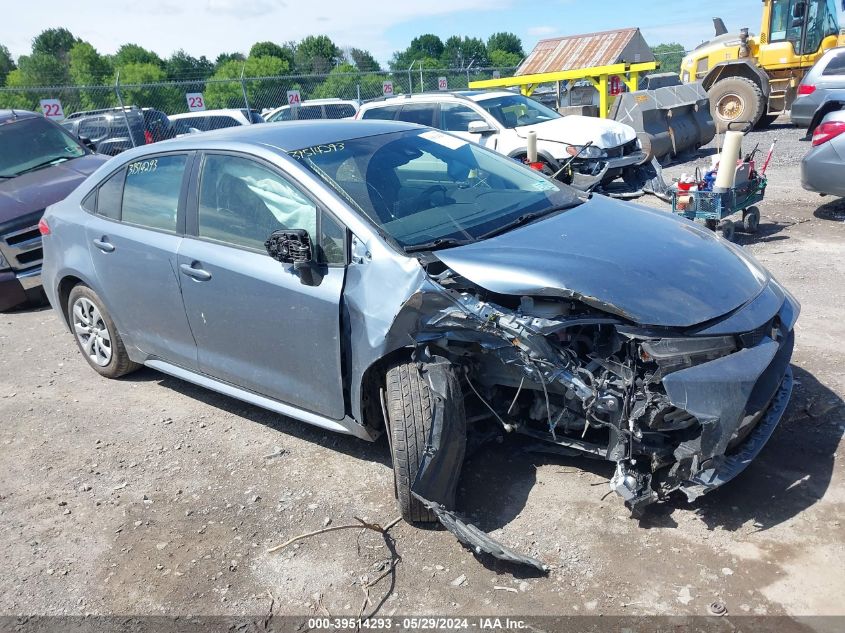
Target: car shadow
<point>833,210</point>
<point>346,444</point>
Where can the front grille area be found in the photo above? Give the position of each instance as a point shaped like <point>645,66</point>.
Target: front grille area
<point>622,150</point>
<point>22,248</point>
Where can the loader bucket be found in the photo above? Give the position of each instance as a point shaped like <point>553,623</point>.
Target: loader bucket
<point>669,119</point>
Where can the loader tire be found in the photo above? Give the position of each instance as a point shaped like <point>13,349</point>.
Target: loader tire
<point>736,99</point>
<point>409,412</point>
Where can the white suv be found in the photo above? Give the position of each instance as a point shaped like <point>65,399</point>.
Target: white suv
<point>501,121</point>
<point>206,120</point>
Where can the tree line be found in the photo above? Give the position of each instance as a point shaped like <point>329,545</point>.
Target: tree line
<point>60,58</point>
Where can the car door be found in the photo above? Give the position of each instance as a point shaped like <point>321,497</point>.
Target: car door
<point>133,238</point>
<point>256,324</point>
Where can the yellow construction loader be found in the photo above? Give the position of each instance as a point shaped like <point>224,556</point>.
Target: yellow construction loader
<point>755,77</point>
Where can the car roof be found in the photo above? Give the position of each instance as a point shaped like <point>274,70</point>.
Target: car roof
<point>473,95</point>
<point>221,111</point>
<point>12,115</point>
<point>287,135</point>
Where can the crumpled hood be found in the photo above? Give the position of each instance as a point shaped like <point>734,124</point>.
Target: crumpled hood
<point>648,266</point>
<point>38,189</point>
<point>578,130</point>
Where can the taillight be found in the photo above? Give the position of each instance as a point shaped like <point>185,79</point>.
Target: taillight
<point>806,89</point>
<point>148,137</point>
<point>828,131</point>
<point>43,227</point>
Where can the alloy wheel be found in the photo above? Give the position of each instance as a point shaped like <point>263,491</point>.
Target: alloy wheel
<point>91,332</point>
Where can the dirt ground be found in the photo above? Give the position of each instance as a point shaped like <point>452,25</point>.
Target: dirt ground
<point>148,495</point>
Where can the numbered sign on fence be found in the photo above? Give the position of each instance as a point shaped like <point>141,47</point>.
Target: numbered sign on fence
<point>196,102</point>
<point>614,85</point>
<point>387,88</point>
<point>442,83</point>
<point>52,109</point>
<point>294,98</point>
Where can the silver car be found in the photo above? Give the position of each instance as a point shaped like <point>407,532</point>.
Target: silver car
<point>822,90</point>
<point>823,168</point>
<point>366,276</point>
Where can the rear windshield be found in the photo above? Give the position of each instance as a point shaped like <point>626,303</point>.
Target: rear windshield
<point>33,143</point>
<point>426,187</point>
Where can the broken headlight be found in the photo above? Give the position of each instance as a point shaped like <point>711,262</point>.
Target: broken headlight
<point>583,151</point>
<point>679,349</point>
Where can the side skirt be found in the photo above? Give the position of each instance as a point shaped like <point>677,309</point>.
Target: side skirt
<point>347,425</point>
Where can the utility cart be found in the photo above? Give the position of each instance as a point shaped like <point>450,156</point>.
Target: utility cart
<point>715,208</point>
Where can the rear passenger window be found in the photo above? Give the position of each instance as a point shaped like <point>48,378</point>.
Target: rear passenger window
<point>836,66</point>
<point>339,111</point>
<point>110,195</point>
<point>309,112</point>
<point>151,193</point>
<point>418,113</point>
<point>387,113</point>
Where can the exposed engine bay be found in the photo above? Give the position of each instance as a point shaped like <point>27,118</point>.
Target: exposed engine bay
<point>673,412</point>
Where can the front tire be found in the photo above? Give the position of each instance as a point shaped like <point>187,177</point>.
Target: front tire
<point>735,99</point>
<point>410,411</point>
<point>96,335</point>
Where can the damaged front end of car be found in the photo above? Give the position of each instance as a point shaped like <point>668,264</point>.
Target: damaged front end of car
<point>676,409</point>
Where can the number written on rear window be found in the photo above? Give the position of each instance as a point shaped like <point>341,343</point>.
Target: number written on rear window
<point>143,166</point>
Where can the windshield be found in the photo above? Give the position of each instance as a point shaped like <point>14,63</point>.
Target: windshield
<point>515,110</point>
<point>424,187</point>
<point>27,144</point>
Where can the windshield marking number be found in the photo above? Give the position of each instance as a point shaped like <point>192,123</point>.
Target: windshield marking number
<point>316,149</point>
<point>143,167</point>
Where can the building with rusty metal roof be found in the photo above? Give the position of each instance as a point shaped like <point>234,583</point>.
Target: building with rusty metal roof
<point>585,51</point>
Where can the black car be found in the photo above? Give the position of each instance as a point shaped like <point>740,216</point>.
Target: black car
<point>40,163</point>
<point>115,130</point>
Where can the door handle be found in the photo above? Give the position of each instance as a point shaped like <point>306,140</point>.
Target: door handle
<point>195,273</point>
<point>104,245</point>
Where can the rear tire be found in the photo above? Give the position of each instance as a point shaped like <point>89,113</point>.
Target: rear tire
<point>96,334</point>
<point>735,99</point>
<point>751,220</point>
<point>409,412</point>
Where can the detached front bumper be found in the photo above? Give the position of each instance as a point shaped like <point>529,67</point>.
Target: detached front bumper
<point>734,464</point>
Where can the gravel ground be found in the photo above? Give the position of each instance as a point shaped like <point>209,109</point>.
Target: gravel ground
<point>148,495</point>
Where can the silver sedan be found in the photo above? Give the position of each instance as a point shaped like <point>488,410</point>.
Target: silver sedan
<point>823,168</point>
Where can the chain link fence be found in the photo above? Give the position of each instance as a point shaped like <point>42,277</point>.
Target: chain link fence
<point>257,93</point>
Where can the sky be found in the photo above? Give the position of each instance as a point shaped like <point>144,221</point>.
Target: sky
<point>210,27</point>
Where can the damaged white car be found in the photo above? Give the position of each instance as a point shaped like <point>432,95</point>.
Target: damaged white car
<point>374,276</point>
<point>586,152</point>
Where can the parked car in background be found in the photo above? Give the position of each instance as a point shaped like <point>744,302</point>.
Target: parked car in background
<point>315,109</point>
<point>371,276</point>
<point>111,130</point>
<point>823,168</point>
<point>821,91</point>
<point>40,163</point>
<point>108,130</point>
<point>600,150</point>
<point>206,120</point>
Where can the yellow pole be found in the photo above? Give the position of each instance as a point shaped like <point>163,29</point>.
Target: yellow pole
<point>603,96</point>
<point>633,81</point>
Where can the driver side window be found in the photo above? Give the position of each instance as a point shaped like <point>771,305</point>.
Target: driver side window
<point>241,202</point>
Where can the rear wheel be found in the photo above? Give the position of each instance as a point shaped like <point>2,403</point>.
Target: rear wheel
<point>96,334</point>
<point>734,100</point>
<point>751,220</point>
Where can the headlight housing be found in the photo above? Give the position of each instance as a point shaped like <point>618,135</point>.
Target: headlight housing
<point>672,354</point>
<point>585,152</point>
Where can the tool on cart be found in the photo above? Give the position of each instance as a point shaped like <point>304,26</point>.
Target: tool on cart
<point>732,185</point>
